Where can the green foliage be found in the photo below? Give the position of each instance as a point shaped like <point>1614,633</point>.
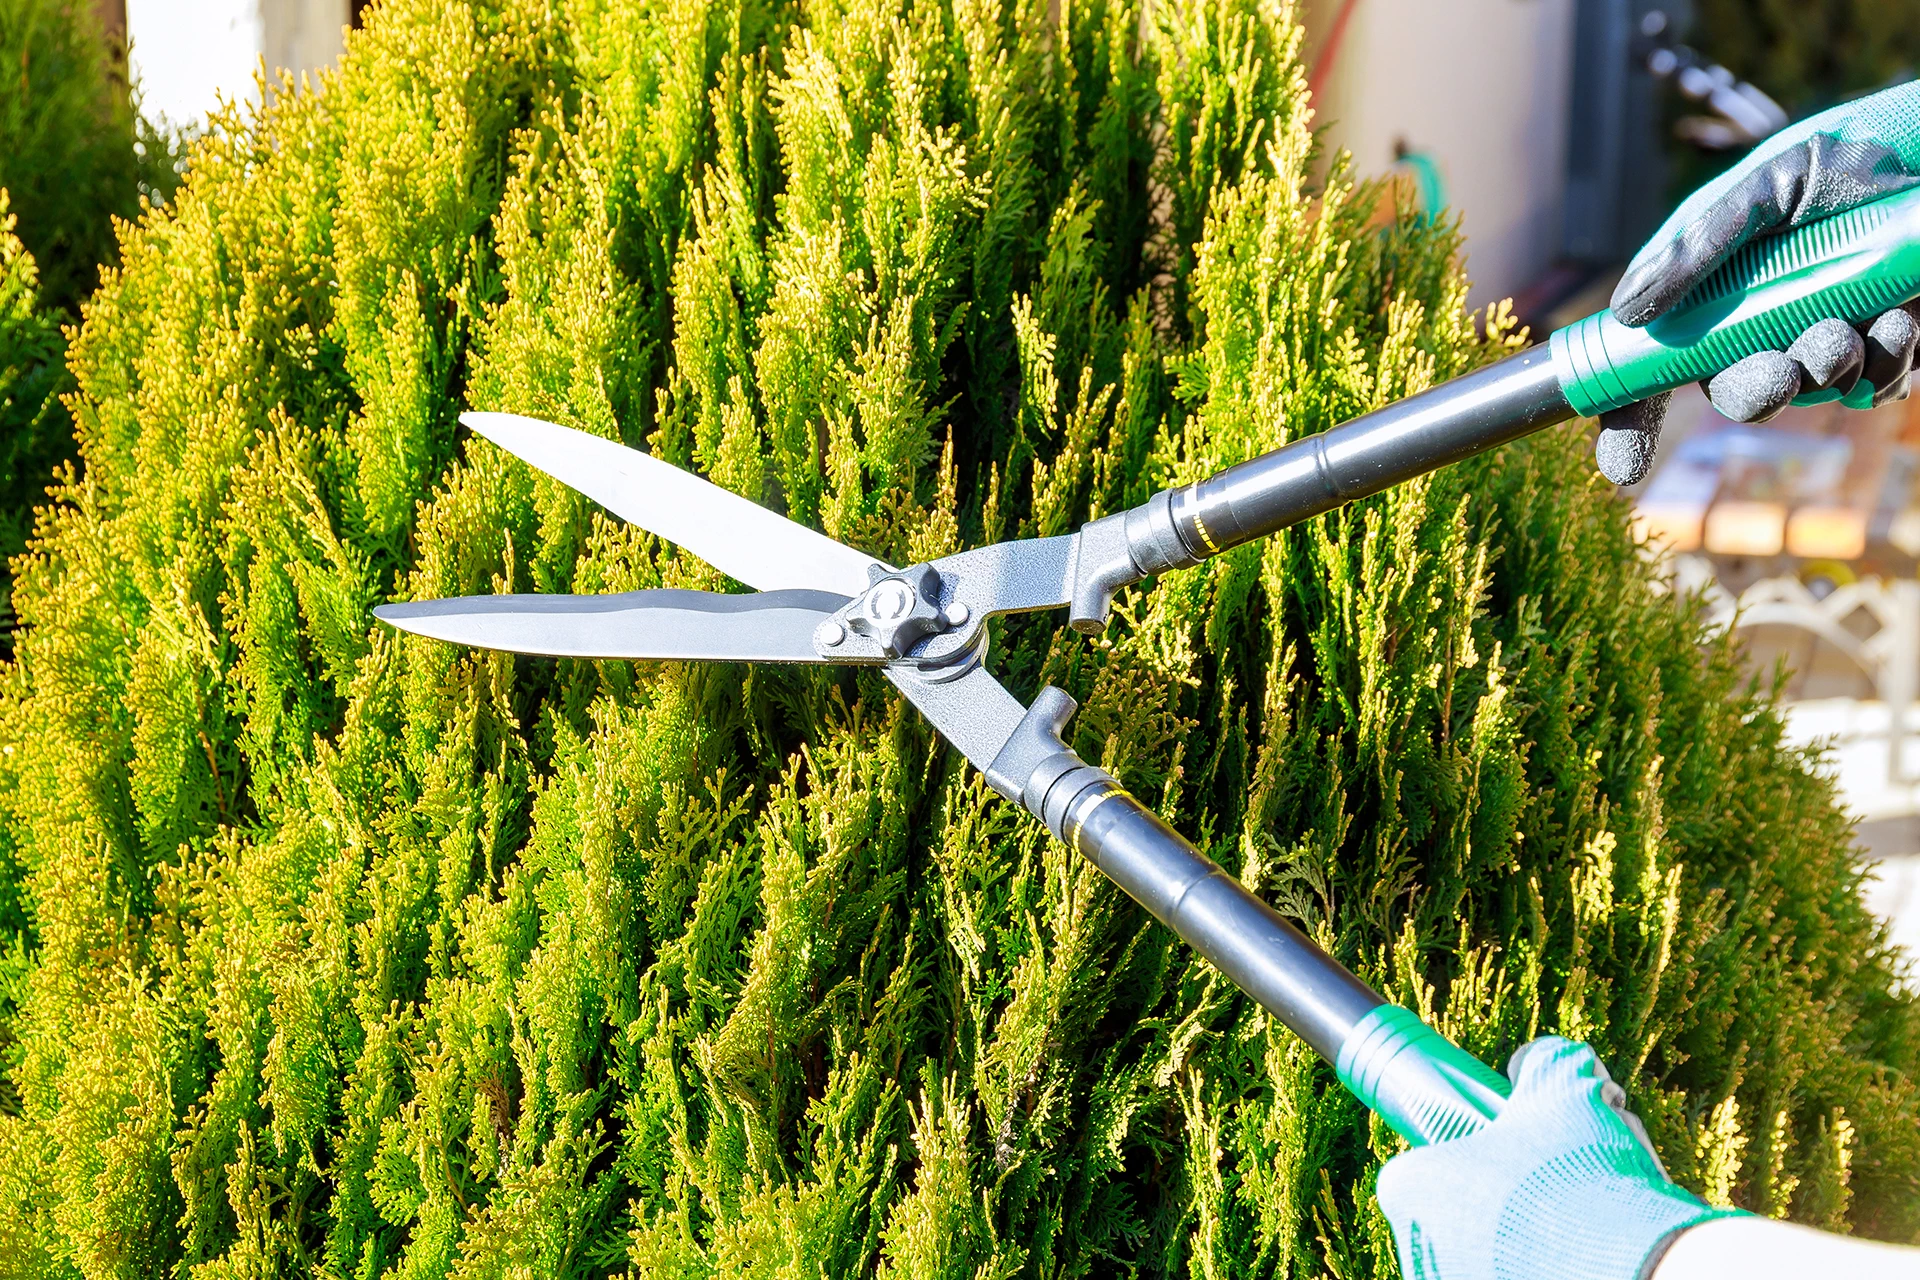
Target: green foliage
<point>74,155</point>
<point>32,377</point>
<point>358,954</point>
<point>74,152</point>
<point>34,428</point>
<point>1810,54</point>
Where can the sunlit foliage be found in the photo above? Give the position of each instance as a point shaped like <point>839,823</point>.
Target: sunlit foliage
<point>356,954</point>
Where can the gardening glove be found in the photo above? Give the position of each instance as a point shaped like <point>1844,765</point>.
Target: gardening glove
<point>1563,1186</point>
<point>1835,161</point>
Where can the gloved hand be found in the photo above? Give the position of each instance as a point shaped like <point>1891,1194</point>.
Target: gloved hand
<point>1563,1186</point>
<point>1839,159</point>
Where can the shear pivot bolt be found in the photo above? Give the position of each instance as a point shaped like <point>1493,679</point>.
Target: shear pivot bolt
<point>900,610</point>
<point>956,614</point>
<point>890,601</point>
<point>830,634</point>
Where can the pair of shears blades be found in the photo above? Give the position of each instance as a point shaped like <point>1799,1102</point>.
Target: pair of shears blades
<point>925,626</point>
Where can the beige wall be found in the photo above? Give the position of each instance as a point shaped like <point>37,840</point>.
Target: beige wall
<point>189,54</point>
<point>112,15</point>
<point>302,35</point>
<point>1480,85</point>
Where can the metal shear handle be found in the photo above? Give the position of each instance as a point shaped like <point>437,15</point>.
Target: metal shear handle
<point>1179,528</point>
<point>1424,1086</point>
<point>1852,266</point>
<point>924,626</point>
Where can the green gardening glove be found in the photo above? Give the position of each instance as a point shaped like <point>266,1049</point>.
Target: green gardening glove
<point>1835,161</point>
<point>1563,1186</point>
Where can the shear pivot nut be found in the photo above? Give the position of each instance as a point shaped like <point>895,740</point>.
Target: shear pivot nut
<point>900,610</point>
<point>890,601</point>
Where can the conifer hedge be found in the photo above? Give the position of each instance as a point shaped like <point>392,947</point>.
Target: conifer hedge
<point>35,432</point>
<point>1809,54</point>
<point>75,150</point>
<point>75,154</point>
<point>354,954</point>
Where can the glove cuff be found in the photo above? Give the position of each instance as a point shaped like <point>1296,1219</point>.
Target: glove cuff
<point>1624,1227</point>
<point>1658,1253</point>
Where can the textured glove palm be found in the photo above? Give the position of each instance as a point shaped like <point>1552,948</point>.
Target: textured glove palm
<point>1560,1187</point>
<point>1835,161</point>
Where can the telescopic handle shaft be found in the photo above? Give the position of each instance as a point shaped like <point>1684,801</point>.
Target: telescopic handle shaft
<point>1469,415</point>
<point>1178,528</point>
<point>1258,949</point>
<point>1422,1084</point>
<point>1851,266</point>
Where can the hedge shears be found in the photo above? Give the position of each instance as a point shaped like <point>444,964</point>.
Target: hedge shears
<point>925,626</point>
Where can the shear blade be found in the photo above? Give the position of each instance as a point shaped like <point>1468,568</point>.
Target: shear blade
<point>664,625</point>
<point>742,539</point>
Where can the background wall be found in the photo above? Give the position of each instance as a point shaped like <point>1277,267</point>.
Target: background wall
<point>185,53</point>
<point>302,34</point>
<point>1481,86</point>
<point>112,15</point>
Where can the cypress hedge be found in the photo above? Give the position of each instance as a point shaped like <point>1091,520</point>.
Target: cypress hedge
<point>35,431</point>
<point>33,427</point>
<point>75,150</point>
<point>353,954</point>
<point>75,154</point>
<point>1809,54</point>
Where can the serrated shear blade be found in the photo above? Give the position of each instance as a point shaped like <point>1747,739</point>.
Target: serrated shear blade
<point>740,538</point>
<point>665,625</point>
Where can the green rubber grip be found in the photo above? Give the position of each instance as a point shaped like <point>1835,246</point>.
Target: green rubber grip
<point>1427,1088</point>
<point>1853,266</point>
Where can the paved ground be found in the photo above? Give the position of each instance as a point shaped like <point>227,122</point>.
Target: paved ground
<point>1887,805</point>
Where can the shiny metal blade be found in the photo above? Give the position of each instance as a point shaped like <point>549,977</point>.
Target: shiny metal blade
<point>770,626</point>
<point>740,538</point>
